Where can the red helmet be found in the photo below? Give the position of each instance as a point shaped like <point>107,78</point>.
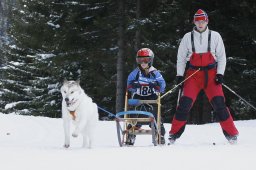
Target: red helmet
<point>145,55</point>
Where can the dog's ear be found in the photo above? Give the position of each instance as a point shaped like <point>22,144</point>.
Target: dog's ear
<point>78,81</point>
<point>65,81</point>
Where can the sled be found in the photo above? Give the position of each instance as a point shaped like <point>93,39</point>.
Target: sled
<point>126,123</point>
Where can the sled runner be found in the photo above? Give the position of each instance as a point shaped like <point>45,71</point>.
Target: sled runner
<point>129,122</point>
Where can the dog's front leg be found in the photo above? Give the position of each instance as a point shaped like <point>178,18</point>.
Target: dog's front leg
<point>79,127</point>
<point>76,131</point>
<point>85,141</point>
<point>66,125</point>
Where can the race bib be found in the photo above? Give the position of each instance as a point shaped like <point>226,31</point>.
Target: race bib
<point>145,91</point>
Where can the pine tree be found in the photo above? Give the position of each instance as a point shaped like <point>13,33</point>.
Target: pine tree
<point>53,41</point>
<point>26,74</point>
<point>48,41</point>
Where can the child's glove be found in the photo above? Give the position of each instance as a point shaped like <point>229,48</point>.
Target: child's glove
<point>135,84</point>
<point>155,85</point>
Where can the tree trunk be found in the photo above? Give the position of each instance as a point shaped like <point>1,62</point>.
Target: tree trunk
<point>120,60</point>
<point>2,23</point>
<point>5,8</point>
<point>138,32</point>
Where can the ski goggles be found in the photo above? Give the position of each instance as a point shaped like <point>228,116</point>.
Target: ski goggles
<point>141,60</point>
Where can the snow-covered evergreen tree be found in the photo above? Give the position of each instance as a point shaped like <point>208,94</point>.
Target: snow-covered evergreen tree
<point>47,41</point>
<point>53,40</point>
<point>26,77</point>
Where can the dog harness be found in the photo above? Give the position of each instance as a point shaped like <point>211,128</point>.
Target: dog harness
<point>73,114</point>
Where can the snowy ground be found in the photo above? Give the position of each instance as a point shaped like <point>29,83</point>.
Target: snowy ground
<point>35,143</point>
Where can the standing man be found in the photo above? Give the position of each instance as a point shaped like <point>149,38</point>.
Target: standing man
<point>202,49</point>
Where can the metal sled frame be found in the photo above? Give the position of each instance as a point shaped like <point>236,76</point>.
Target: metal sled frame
<point>123,118</point>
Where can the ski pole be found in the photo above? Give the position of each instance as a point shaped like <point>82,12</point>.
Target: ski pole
<point>238,95</point>
<point>170,91</point>
<point>179,95</point>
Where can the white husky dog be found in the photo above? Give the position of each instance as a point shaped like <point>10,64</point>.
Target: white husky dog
<point>78,108</point>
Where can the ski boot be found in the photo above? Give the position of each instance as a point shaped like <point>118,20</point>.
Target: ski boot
<point>172,138</point>
<point>162,140</point>
<point>232,139</point>
<point>130,139</point>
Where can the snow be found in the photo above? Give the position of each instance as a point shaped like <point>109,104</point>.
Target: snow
<point>86,18</point>
<point>16,63</point>
<point>11,105</point>
<point>13,47</point>
<point>46,56</point>
<point>35,143</point>
<point>53,25</point>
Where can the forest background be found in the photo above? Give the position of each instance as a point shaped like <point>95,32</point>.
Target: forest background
<point>43,42</point>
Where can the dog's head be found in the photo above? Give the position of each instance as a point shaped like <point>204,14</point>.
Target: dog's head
<point>71,91</point>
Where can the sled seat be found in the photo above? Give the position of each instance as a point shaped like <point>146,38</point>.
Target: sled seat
<point>138,132</point>
<point>132,122</point>
<point>122,116</point>
<point>136,102</point>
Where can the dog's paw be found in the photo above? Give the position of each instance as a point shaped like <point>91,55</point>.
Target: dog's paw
<point>74,135</point>
<point>66,145</point>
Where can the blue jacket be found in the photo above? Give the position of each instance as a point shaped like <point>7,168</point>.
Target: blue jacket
<point>145,90</point>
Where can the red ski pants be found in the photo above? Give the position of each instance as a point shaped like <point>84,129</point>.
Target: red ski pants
<point>215,96</point>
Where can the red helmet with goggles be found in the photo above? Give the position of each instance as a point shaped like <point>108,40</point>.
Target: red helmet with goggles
<point>145,55</point>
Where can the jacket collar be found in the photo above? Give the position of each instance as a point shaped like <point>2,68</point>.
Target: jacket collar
<point>151,68</point>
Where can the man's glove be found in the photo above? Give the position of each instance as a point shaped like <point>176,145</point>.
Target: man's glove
<point>179,79</point>
<point>155,85</point>
<point>135,84</point>
<point>219,79</point>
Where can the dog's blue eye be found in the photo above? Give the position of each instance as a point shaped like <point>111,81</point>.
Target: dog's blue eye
<point>72,92</point>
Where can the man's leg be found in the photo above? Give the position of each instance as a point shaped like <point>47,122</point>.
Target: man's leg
<point>190,92</point>
<point>217,100</point>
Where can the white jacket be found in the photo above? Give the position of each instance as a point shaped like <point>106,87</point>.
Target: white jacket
<point>201,44</point>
